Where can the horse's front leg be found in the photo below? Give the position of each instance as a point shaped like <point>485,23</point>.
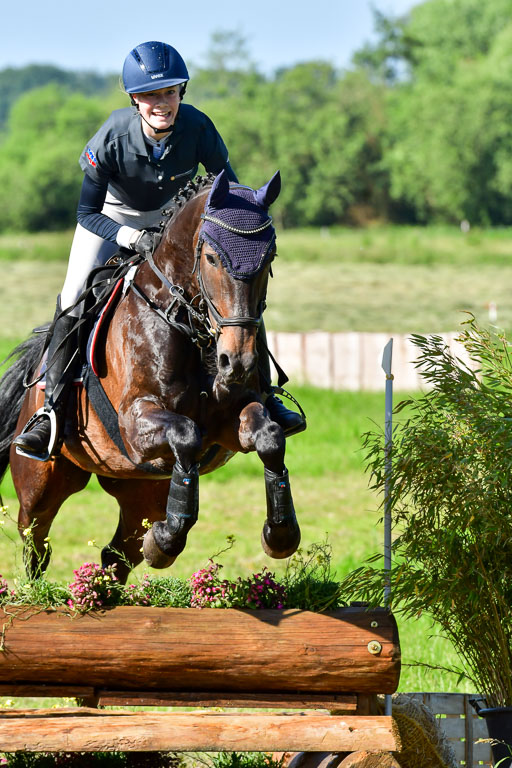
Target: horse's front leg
<point>149,432</point>
<point>281,533</point>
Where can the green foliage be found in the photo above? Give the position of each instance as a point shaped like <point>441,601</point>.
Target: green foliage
<point>40,177</point>
<point>137,760</point>
<point>450,497</point>
<point>159,591</point>
<point>324,138</point>
<point>91,759</point>
<point>39,591</point>
<point>15,82</point>
<point>242,760</point>
<point>310,581</point>
<point>448,132</point>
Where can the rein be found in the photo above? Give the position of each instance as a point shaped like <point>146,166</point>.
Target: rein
<point>199,329</point>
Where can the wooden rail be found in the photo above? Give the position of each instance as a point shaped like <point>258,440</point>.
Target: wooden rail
<point>328,664</point>
<point>252,652</point>
<point>89,730</point>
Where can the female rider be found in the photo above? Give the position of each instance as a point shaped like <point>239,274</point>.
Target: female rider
<point>133,166</point>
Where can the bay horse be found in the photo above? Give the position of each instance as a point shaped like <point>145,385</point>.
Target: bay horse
<point>180,368</point>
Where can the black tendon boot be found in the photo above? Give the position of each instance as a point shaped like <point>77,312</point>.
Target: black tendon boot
<point>290,421</point>
<point>281,533</point>
<point>62,348</point>
<point>166,540</point>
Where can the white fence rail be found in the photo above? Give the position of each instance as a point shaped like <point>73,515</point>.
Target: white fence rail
<point>350,361</point>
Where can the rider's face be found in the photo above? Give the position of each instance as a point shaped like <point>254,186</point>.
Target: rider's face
<point>159,108</point>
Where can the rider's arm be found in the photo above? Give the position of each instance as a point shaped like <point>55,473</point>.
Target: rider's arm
<point>89,215</point>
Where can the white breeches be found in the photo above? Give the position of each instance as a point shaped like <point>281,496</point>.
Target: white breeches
<point>89,251</point>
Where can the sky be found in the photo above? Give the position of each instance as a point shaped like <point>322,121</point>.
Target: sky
<point>97,35</point>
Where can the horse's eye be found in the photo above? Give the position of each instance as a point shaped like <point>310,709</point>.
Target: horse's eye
<point>210,258</point>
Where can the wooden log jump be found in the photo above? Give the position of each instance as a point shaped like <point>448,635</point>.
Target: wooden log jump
<point>211,657</point>
<point>90,731</point>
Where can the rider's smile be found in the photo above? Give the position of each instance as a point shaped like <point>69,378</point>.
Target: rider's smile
<point>158,109</point>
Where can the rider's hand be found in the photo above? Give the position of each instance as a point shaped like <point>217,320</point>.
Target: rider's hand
<point>144,242</point>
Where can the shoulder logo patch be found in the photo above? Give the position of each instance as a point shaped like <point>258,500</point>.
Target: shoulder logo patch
<point>91,157</point>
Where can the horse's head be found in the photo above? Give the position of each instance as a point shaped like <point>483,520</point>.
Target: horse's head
<point>235,247</point>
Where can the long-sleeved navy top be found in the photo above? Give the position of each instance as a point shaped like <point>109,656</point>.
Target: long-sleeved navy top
<point>118,159</point>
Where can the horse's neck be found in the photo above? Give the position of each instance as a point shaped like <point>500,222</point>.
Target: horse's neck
<point>175,255</point>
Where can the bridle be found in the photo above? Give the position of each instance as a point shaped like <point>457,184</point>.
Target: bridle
<point>243,321</point>
<point>199,328</point>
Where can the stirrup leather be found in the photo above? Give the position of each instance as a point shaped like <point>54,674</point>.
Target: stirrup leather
<point>37,416</point>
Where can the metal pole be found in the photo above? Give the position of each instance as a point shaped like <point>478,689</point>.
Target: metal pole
<point>388,441</point>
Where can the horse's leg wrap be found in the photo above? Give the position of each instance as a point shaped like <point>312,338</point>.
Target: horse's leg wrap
<point>170,537</point>
<point>281,533</point>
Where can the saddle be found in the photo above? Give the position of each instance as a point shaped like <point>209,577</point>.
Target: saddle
<point>105,287</point>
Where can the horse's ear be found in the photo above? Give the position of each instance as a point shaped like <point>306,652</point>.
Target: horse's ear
<point>219,190</point>
<point>267,194</point>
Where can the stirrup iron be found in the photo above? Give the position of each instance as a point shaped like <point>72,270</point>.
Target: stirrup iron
<point>277,390</point>
<point>37,416</point>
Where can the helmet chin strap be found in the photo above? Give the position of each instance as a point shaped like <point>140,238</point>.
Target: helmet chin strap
<point>157,130</point>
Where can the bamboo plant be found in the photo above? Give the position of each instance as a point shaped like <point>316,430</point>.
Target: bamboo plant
<point>451,499</point>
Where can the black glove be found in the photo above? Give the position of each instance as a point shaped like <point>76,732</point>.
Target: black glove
<point>145,243</point>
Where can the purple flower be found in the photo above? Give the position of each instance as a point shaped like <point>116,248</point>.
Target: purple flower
<point>92,586</point>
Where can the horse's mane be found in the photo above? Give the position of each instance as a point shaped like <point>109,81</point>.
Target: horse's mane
<point>186,193</point>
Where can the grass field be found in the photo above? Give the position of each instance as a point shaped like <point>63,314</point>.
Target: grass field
<point>379,280</point>
<point>396,280</point>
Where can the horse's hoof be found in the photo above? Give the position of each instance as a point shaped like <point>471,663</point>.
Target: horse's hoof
<point>153,555</point>
<point>280,541</point>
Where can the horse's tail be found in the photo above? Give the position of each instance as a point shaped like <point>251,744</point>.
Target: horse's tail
<point>13,390</point>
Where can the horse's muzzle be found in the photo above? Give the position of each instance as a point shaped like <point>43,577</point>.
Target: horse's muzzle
<point>236,368</point>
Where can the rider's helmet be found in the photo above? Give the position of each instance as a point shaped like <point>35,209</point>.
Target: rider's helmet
<point>151,66</point>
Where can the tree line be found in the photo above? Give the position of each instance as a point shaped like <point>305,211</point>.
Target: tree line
<point>418,129</point>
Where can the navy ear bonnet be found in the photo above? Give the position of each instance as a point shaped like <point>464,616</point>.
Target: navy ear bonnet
<point>238,226</point>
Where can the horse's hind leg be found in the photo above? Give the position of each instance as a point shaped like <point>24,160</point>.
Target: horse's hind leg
<point>281,533</point>
<point>139,500</point>
<point>42,487</point>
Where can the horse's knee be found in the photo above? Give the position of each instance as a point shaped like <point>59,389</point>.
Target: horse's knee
<point>258,432</point>
<point>184,438</point>
<point>270,446</point>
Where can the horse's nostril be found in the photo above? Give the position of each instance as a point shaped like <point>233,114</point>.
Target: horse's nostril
<point>223,362</point>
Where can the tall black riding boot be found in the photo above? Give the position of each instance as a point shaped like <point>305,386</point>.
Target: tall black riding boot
<point>290,421</point>
<point>61,353</point>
